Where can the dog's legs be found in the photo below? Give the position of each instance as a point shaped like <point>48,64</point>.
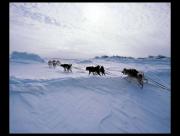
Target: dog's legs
<point>127,78</point>
<point>141,83</point>
<point>98,73</point>
<point>103,73</point>
<point>146,80</point>
<point>69,70</point>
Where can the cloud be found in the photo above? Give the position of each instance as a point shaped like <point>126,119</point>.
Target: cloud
<point>132,29</point>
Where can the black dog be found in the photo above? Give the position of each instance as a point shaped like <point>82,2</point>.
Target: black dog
<point>102,70</point>
<point>67,67</point>
<point>93,70</point>
<point>96,70</point>
<point>134,73</point>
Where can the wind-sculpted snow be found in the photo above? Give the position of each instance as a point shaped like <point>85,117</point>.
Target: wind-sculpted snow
<point>47,100</point>
<point>85,61</point>
<point>25,58</point>
<point>146,60</point>
<point>124,57</point>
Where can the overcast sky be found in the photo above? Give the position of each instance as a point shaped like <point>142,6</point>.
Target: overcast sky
<point>90,29</point>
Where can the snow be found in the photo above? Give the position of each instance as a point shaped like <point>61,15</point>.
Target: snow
<point>23,57</point>
<point>48,100</point>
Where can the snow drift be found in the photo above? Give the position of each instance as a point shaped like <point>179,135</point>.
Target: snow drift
<point>48,100</point>
<point>24,57</point>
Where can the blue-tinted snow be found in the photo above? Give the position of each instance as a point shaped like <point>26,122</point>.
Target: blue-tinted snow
<point>47,100</point>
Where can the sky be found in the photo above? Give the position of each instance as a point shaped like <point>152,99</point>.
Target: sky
<point>84,30</point>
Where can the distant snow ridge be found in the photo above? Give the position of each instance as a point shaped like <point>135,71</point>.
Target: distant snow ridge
<point>85,61</point>
<point>113,57</point>
<point>26,56</point>
<point>158,57</point>
<point>130,58</point>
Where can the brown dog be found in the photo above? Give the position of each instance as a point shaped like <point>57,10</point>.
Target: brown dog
<point>134,73</point>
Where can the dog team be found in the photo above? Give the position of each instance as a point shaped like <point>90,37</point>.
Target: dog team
<point>99,70</point>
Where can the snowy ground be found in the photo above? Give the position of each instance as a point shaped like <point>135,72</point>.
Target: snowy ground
<point>47,100</point>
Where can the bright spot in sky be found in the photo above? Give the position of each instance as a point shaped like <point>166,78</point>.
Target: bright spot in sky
<point>95,13</point>
<point>90,29</point>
